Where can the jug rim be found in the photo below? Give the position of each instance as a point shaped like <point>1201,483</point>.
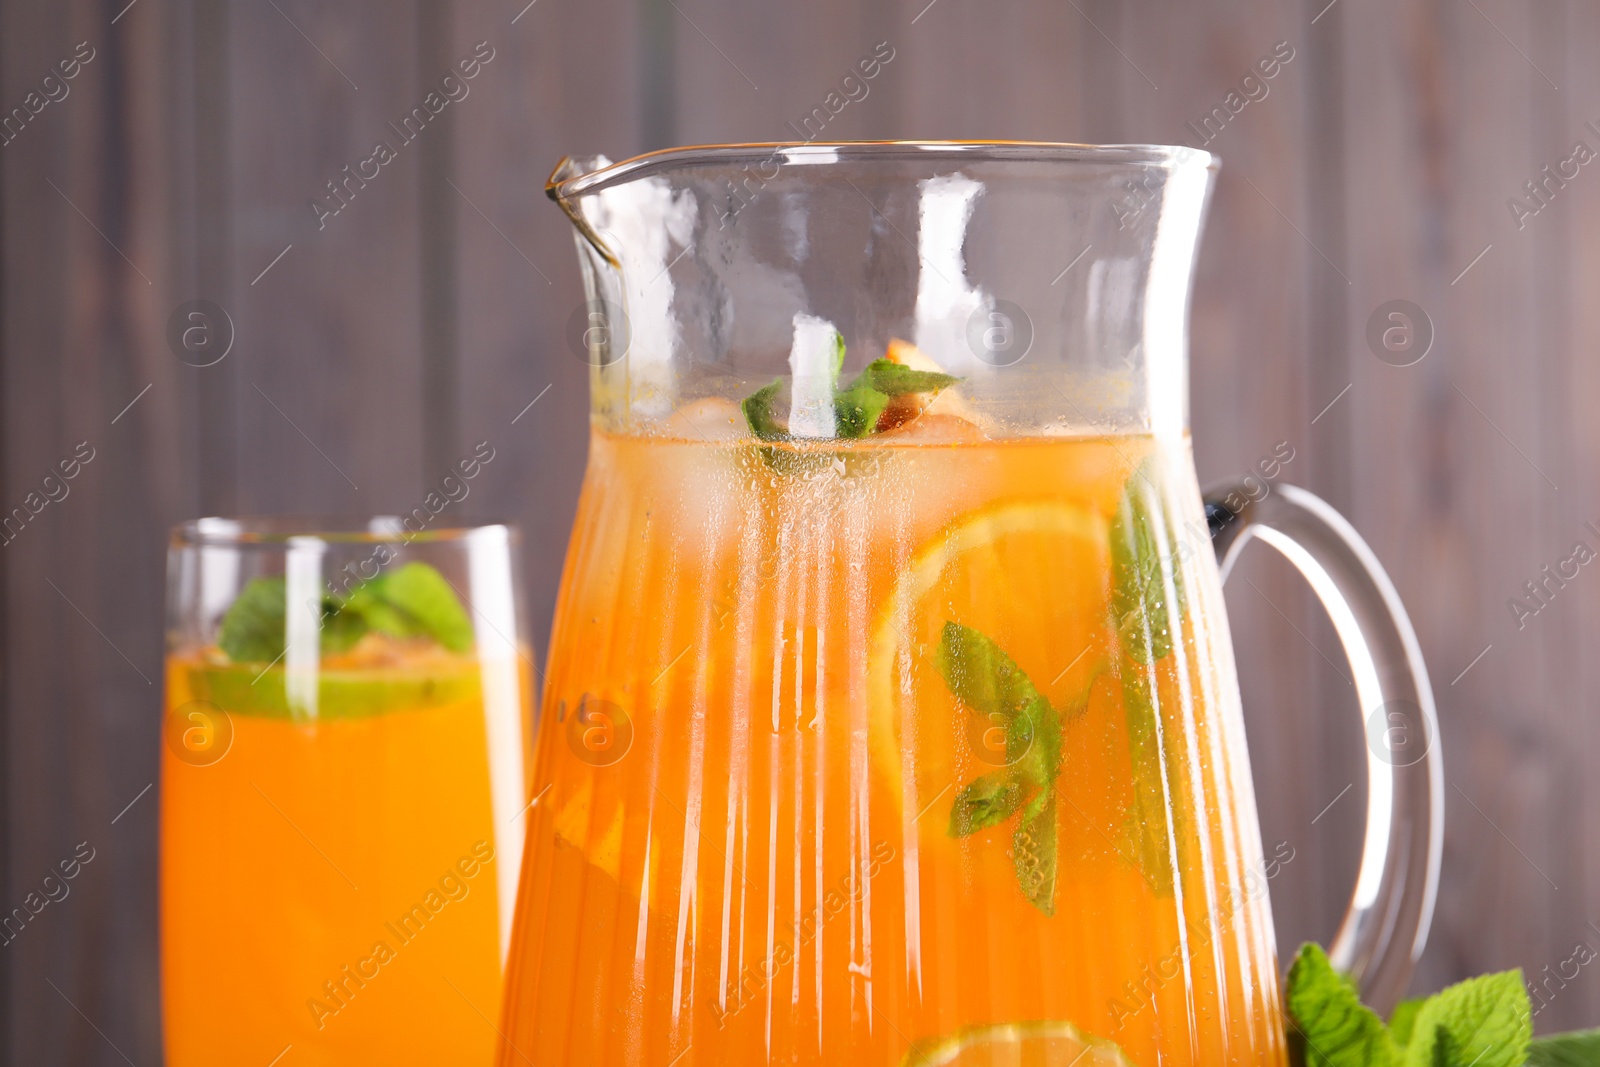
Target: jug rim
<point>567,181</point>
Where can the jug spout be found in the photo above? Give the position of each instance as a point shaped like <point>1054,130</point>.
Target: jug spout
<point>573,167</point>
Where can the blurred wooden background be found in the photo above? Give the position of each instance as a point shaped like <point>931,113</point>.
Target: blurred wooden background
<point>430,311</point>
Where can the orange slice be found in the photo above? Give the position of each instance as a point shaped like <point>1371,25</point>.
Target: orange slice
<point>1033,575</point>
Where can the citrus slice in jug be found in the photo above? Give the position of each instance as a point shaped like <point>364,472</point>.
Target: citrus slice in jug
<point>1033,1044</point>
<point>1030,575</point>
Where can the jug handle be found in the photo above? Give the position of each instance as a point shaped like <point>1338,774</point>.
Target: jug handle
<point>1384,930</point>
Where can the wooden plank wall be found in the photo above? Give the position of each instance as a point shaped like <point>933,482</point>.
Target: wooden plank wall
<point>429,312</point>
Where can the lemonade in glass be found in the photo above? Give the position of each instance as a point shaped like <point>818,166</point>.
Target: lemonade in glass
<point>340,785</point>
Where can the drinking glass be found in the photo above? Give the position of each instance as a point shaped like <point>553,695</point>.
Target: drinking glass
<point>342,782</point>
<point>891,711</point>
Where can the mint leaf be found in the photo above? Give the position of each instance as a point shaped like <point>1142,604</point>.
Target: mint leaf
<point>896,379</point>
<point>1332,1028</point>
<point>981,675</point>
<point>985,802</point>
<point>1482,1022</point>
<point>1403,1018</point>
<point>340,628</point>
<point>758,412</point>
<point>428,603</point>
<point>1485,1022</point>
<point>990,684</point>
<point>859,405</point>
<point>253,629</point>
<point>369,607</point>
<point>412,601</point>
<point>1142,553</point>
<point>1033,851</point>
<point>857,408</point>
<point>1580,1049</point>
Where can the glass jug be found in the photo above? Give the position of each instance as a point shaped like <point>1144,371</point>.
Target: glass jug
<point>891,716</point>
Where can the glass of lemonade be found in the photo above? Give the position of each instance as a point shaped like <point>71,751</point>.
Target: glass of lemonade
<point>891,716</point>
<point>342,791</point>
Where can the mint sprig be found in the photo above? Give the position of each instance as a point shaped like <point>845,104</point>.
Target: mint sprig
<point>992,686</point>
<point>1482,1022</point>
<point>857,407</point>
<point>759,412</point>
<point>1146,615</point>
<point>896,379</point>
<point>413,600</point>
<point>1332,1027</point>
<point>253,629</point>
<point>1578,1049</point>
<point>986,801</point>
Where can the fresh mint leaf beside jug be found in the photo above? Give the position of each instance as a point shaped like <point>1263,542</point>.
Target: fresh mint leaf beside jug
<point>1482,1022</point>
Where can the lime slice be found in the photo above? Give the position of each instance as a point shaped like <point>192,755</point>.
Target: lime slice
<point>245,689</point>
<point>1034,1044</point>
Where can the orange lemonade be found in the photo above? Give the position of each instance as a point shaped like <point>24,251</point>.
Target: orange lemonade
<point>916,749</point>
<point>329,884</point>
